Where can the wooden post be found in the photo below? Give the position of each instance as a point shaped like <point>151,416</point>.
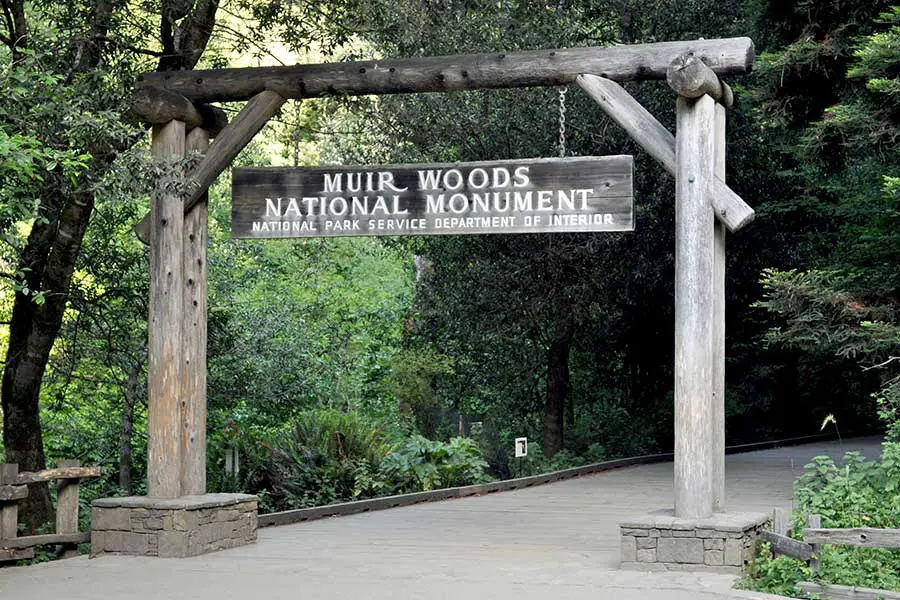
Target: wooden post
<point>718,316</point>
<point>193,391</point>
<point>166,301</point>
<point>9,512</point>
<point>780,518</point>
<point>236,135</point>
<point>67,507</point>
<point>694,307</point>
<point>814,522</point>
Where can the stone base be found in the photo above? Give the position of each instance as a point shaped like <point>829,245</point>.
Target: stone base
<point>172,528</point>
<point>723,543</point>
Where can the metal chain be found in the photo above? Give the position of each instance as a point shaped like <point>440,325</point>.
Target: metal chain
<point>562,121</point>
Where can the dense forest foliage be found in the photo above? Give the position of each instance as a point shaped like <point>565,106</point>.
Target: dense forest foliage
<point>350,368</point>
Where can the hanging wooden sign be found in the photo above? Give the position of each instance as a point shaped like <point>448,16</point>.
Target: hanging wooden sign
<point>581,194</point>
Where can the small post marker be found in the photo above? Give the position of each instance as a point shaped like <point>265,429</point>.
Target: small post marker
<point>521,447</point>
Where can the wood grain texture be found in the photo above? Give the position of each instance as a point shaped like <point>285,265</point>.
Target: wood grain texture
<point>694,307</point>
<point>659,143</point>
<point>236,135</point>
<point>783,545</point>
<point>455,73</point>
<point>862,537</point>
<point>11,554</point>
<point>67,491</point>
<point>814,522</point>
<point>57,473</point>
<point>690,77</point>
<point>845,592</point>
<point>9,512</point>
<point>28,541</point>
<point>718,322</point>
<point>193,376</point>
<point>580,194</point>
<point>158,106</point>
<point>781,521</point>
<point>165,349</point>
<point>11,493</point>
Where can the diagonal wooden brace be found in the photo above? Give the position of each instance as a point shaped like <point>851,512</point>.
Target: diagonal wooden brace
<point>236,135</point>
<point>659,143</point>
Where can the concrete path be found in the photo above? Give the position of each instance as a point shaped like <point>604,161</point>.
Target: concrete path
<point>553,541</point>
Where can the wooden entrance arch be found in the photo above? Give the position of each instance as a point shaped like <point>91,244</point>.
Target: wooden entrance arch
<point>177,105</point>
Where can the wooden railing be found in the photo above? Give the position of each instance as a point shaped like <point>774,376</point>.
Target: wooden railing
<point>814,536</point>
<point>14,487</point>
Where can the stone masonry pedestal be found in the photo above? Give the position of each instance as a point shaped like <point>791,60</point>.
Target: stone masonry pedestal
<point>174,528</point>
<point>723,543</point>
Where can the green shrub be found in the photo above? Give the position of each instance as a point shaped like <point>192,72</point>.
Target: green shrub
<point>856,493</point>
<point>423,464</point>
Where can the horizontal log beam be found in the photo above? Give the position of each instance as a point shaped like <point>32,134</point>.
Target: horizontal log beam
<point>690,77</point>
<point>733,56</point>
<point>11,493</point>
<point>255,114</point>
<point>658,142</point>
<point>863,537</point>
<point>54,474</point>
<point>158,106</point>
<point>30,541</point>
<point>781,544</point>
<point>10,554</point>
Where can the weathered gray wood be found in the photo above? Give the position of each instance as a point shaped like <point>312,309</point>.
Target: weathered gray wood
<point>28,541</point>
<point>509,196</point>
<point>659,143</point>
<point>55,474</point>
<point>9,511</point>
<point>845,592</point>
<point>165,349</point>
<point>67,505</point>
<point>158,106</point>
<point>11,554</point>
<point>814,522</point>
<point>694,306</point>
<point>255,114</point>
<point>781,544</point>
<point>863,537</point>
<point>11,493</point>
<point>193,376</point>
<point>689,76</point>
<point>718,316</point>
<point>781,521</point>
<point>455,73</point>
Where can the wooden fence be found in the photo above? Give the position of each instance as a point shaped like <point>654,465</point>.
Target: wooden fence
<point>814,536</point>
<point>14,487</point>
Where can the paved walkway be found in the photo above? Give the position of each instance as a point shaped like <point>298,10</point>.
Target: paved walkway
<point>557,541</point>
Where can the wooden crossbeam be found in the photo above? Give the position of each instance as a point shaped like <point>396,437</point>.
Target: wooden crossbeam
<point>733,56</point>
<point>54,474</point>
<point>864,537</point>
<point>690,77</point>
<point>658,142</point>
<point>236,135</point>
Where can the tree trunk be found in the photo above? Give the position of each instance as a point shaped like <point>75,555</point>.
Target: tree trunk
<point>48,261</point>
<point>125,454</point>
<point>558,379</point>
